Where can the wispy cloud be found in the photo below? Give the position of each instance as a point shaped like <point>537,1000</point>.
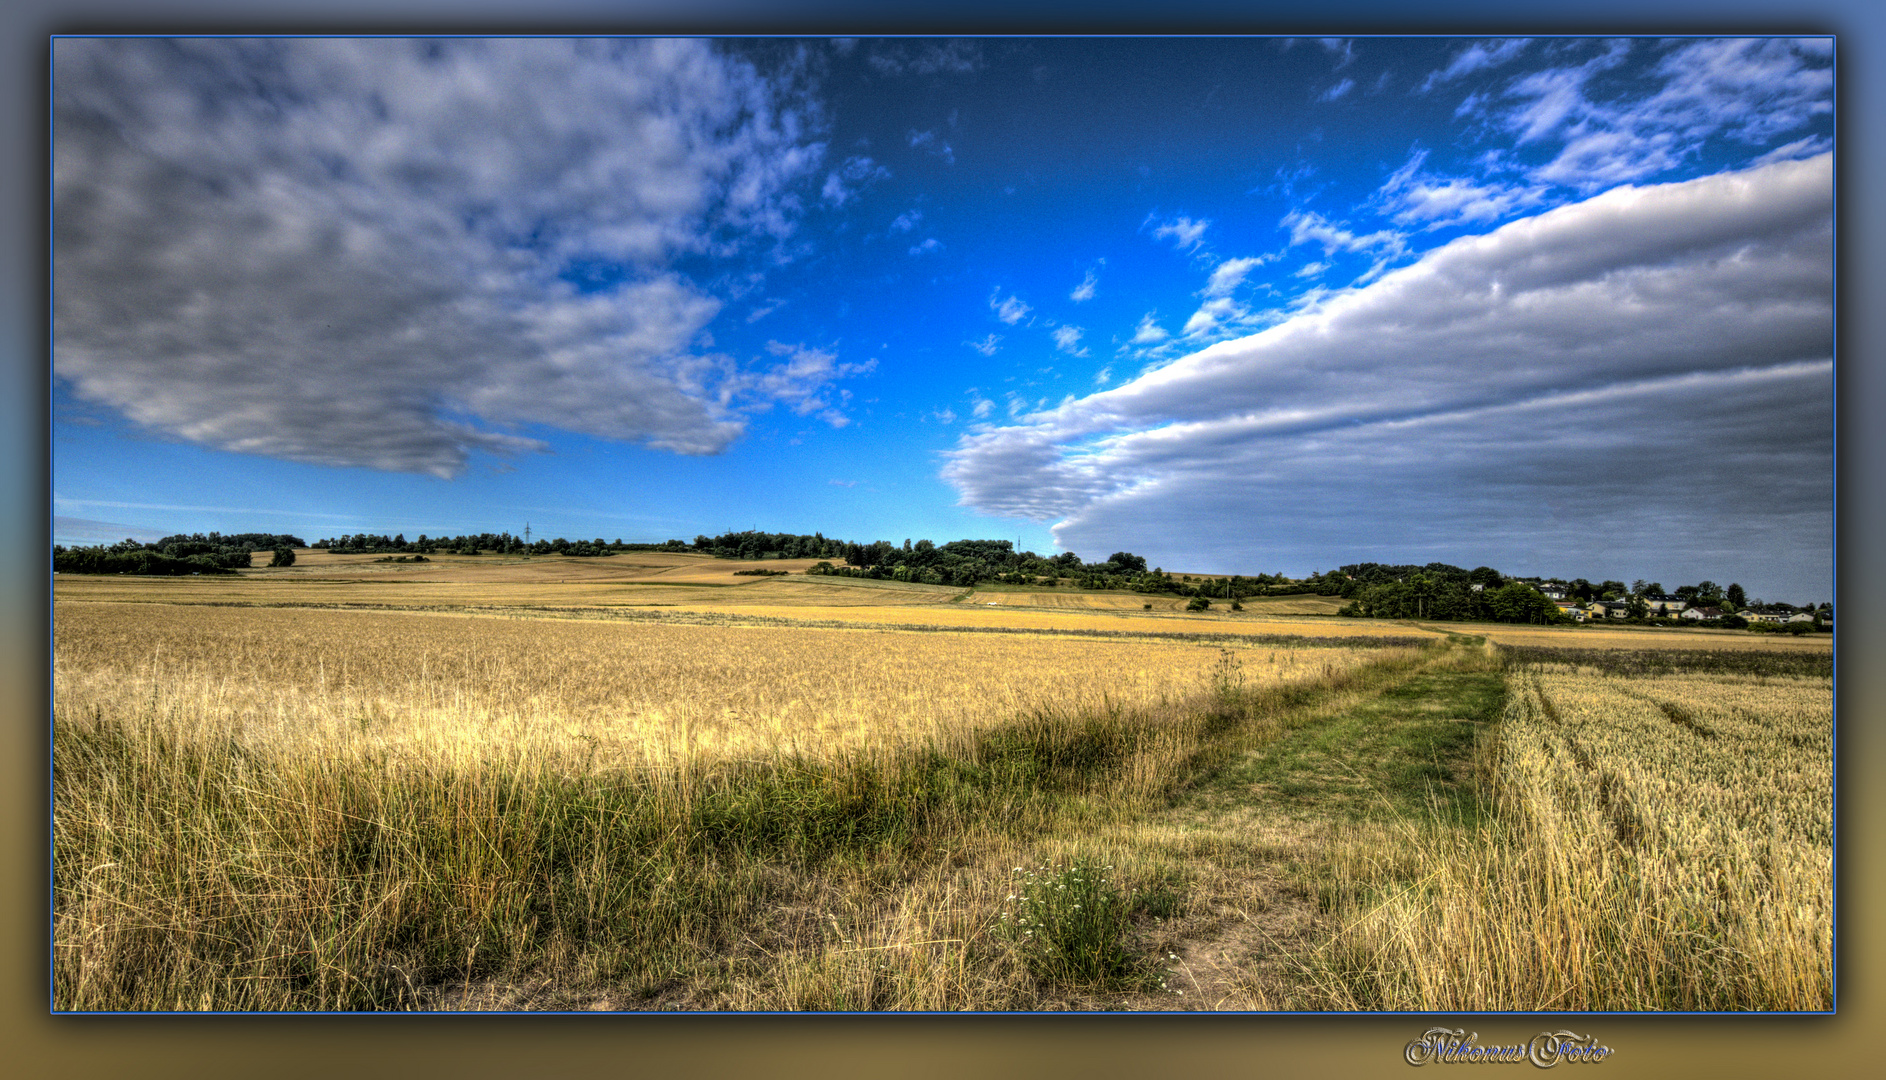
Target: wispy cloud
<point>1481,54</point>
<point>1068,340</point>
<point>987,346</point>
<point>1149,331</point>
<point>1185,233</point>
<point>1228,275</point>
<point>802,379</point>
<point>928,142</point>
<point>1309,227</point>
<point>844,183</point>
<point>1085,290</point>
<point>1411,196</point>
<point>1342,48</point>
<point>1010,310</point>
<point>1743,89</point>
<point>955,57</point>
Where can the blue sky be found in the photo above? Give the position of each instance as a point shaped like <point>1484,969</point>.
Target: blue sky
<point>1552,305</point>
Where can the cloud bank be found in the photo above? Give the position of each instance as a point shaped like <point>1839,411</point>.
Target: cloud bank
<point>393,254</point>
<point>1652,361</point>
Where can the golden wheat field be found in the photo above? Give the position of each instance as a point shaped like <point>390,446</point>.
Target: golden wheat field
<point>635,691</point>
<point>293,808</point>
<point>658,784</point>
<point>1665,843</point>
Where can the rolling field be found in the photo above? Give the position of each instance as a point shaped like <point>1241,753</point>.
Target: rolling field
<point>480,787</point>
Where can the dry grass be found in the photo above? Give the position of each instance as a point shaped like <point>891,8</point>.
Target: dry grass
<point>1664,842</point>
<point>291,809</point>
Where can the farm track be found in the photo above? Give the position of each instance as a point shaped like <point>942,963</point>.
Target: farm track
<point>1264,838</point>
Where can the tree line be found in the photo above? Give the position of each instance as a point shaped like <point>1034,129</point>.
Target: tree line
<point>1444,592</point>
<point>172,556</point>
<point>1436,591</point>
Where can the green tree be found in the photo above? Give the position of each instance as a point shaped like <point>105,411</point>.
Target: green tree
<point>1736,596</point>
<point>284,556</point>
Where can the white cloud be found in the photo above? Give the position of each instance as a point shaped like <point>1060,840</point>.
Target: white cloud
<point>1085,290</point>
<point>929,245</point>
<point>1309,227</point>
<point>393,253</point>
<point>907,221</point>
<point>987,346</point>
<point>1185,233</point>
<point>1011,310</point>
<point>1103,376</point>
<point>930,144</point>
<point>802,380</point>
<point>1481,54</point>
<point>1799,148</point>
<point>1149,332</point>
<point>1412,196</point>
<point>1337,91</point>
<point>1213,314</point>
<point>1665,346</point>
<point>844,183</point>
<point>1068,340</point>
<point>1747,89</point>
<point>1228,275</point>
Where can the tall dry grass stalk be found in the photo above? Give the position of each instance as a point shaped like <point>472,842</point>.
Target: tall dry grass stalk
<point>332,810</point>
<point>1662,842</point>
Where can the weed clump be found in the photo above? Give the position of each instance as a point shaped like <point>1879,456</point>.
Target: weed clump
<point>1070,925</point>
